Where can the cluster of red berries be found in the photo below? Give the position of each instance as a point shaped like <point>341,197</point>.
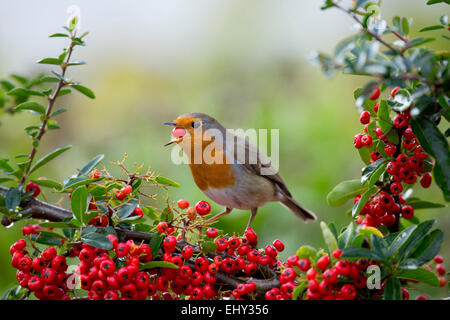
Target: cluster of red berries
<point>439,269</point>
<point>196,275</point>
<point>330,278</point>
<point>406,164</point>
<point>44,274</point>
<point>114,274</point>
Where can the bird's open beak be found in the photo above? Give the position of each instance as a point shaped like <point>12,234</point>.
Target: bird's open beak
<point>176,140</point>
<point>173,141</point>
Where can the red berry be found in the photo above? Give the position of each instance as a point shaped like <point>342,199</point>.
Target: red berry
<point>59,263</point>
<point>330,276</point>
<point>122,249</point>
<point>394,91</point>
<point>366,140</point>
<point>251,236</point>
<point>323,262</point>
<point>425,181</point>
<point>365,117</point>
<point>440,269</point>
<point>33,187</point>
<point>119,195</point>
<point>187,252</point>
<point>407,212</point>
<point>438,259</point>
<point>108,267</point>
<point>279,245</point>
<point>400,121</point>
<point>348,291</point>
<point>182,204</point>
<point>343,267</point>
<point>357,141</point>
<point>337,253</point>
<point>126,190</point>
<point>375,94</point>
<point>113,239</point>
<point>49,253</point>
<point>211,232</point>
<point>396,187</point>
<point>392,168</point>
<point>390,149</point>
<point>376,106</point>
<point>162,227</point>
<point>202,208</point>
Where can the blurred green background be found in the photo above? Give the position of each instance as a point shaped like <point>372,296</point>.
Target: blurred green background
<point>243,62</point>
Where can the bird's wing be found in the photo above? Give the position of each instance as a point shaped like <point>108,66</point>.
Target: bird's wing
<point>256,162</point>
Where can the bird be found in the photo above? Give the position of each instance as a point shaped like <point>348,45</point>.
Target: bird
<point>243,180</point>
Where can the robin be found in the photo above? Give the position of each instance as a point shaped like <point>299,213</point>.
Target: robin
<point>229,169</point>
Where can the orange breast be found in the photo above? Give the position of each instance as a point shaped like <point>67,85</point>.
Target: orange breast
<point>212,175</point>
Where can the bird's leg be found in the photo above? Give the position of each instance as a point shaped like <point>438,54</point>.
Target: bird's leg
<point>252,217</point>
<point>217,216</point>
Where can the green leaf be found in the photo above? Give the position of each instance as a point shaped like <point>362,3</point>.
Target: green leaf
<point>405,25</point>
<point>360,253</point>
<point>12,198</point>
<point>57,225</point>
<point>364,154</point>
<point>328,236</point>
<point>54,61</point>
<point>49,157</point>
<point>91,165</point>
<point>47,183</point>
<point>75,182</point>
<point>371,168</point>
<point>97,240</point>
<point>362,201</point>
<point>392,289</point>
<point>127,209</point>
<point>163,180</point>
<point>32,106</point>
<point>43,238</point>
<point>158,264</point>
<point>422,204</point>
<point>306,252</point>
<point>84,90</point>
<point>59,111</point>
<point>79,202</point>
<point>385,123</point>
<point>59,35</point>
<point>434,142</point>
<point>155,244</point>
<point>346,237</point>
<point>24,92</point>
<point>419,41</point>
<point>430,28</point>
<point>344,191</point>
<point>429,247</point>
<point>299,289</point>
<point>421,275</point>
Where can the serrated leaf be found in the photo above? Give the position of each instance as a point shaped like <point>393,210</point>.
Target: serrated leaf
<point>49,157</point>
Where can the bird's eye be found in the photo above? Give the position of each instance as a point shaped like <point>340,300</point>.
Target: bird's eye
<point>195,124</point>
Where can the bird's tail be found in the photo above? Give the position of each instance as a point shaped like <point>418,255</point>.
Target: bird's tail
<point>296,208</point>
